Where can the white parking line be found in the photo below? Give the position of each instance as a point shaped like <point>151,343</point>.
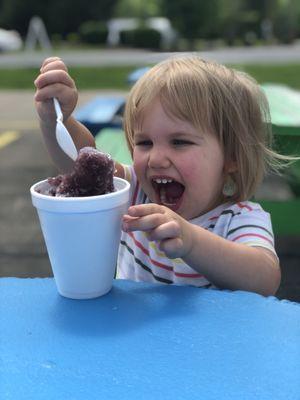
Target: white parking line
<point>8,137</point>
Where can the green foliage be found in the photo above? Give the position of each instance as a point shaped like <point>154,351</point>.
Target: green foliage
<point>137,9</point>
<point>59,16</point>
<point>231,20</point>
<point>142,37</point>
<point>286,24</point>
<point>16,14</point>
<point>194,18</point>
<point>56,39</point>
<point>73,39</point>
<point>93,32</point>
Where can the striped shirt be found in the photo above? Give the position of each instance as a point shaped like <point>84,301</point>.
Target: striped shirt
<point>141,260</point>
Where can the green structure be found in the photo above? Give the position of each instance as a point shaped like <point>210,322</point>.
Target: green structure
<point>112,141</point>
<point>285,116</point>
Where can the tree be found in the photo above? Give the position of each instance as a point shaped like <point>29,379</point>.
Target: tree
<point>137,9</point>
<point>286,22</point>
<point>193,18</point>
<point>59,16</point>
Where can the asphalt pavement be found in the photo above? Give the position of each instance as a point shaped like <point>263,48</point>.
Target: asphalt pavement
<point>275,54</point>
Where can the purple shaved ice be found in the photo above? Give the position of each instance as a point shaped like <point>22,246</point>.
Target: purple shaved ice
<point>92,176</point>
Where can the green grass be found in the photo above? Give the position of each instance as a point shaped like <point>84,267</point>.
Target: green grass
<point>85,78</point>
<point>285,74</point>
<point>101,78</point>
<point>115,77</point>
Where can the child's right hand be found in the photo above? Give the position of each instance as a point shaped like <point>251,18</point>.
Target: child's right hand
<point>54,81</point>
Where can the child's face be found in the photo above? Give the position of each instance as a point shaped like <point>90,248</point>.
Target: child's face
<point>177,165</point>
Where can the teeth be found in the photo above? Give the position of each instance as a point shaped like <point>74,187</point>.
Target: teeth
<point>162,192</point>
<point>158,180</point>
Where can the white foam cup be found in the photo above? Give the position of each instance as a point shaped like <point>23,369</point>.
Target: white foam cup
<point>82,236</point>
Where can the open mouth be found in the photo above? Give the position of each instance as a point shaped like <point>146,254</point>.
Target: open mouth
<point>168,192</point>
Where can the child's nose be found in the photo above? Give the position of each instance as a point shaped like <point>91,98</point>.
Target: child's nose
<point>158,158</point>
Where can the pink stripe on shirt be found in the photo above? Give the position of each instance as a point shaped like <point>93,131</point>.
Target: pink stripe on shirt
<point>252,234</point>
<point>161,265</point>
<point>241,205</point>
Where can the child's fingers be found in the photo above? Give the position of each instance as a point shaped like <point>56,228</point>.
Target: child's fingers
<point>48,92</point>
<point>57,64</point>
<point>127,217</point>
<point>48,61</point>
<point>172,247</point>
<point>160,225</point>
<point>51,77</point>
<point>145,209</point>
<point>168,230</point>
<point>145,223</point>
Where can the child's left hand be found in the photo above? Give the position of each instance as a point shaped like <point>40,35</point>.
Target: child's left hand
<point>162,225</point>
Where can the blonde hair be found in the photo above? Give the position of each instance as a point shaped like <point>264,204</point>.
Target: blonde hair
<point>213,98</point>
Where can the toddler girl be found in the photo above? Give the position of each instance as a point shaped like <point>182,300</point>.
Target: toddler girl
<point>199,135</point>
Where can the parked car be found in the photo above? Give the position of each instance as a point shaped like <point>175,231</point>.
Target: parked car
<point>10,40</point>
<point>102,112</point>
<point>136,74</point>
<point>106,111</point>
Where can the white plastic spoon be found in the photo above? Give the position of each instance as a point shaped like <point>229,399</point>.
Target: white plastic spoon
<point>63,137</point>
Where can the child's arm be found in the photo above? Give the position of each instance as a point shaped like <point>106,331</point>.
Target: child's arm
<point>227,264</point>
<point>54,81</point>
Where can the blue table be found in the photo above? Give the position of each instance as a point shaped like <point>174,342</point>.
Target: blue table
<point>146,341</point>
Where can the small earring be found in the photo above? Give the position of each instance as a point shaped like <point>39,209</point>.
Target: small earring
<point>229,188</point>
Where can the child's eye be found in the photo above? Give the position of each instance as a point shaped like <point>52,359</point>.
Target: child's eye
<point>181,142</point>
<point>143,143</point>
